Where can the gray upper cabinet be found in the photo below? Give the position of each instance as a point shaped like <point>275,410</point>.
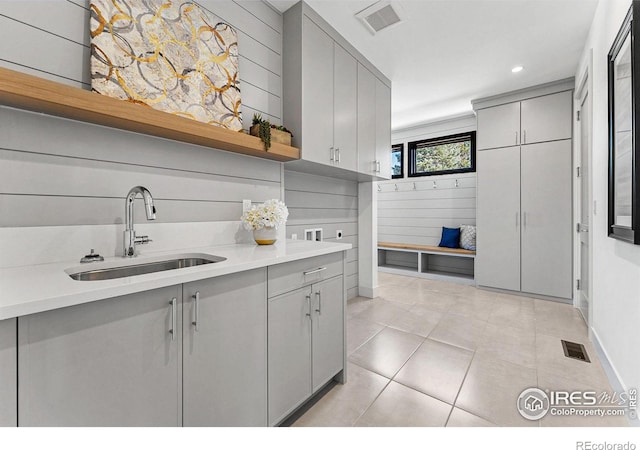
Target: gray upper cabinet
<point>546,118</point>
<point>546,219</point>
<point>289,353</point>
<point>498,219</point>
<point>324,104</point>
<point>498,126</point>
<point>113,362</point>
<point>8,374</point>
<point>366,121</point>
<point>224,351</point>
<point>539,119</point>
<point>327,330</point>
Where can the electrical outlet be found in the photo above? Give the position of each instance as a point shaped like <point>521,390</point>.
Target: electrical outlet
<point>246,205</point>
<point>294,236</point>
<point>309,235</point>
<point>318,234</point>
<point>339,234</point>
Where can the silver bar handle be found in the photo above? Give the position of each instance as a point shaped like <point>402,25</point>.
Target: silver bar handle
<point>517,219</point>
<point>308,306</point>
<point>338,155</point>
<point>173,303</point>
<point>196,310</point>
<point>377,166</point>
<point>516,138</point>
<point>319,303</point>
<point>524,137</point>
<point>311,272</point>
<point>332,152</point>
<point>524,221</point>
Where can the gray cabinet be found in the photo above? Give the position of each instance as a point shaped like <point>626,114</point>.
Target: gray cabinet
<point>498,219</point>
<point>339,124</point>
<point>225,350</point>
<point>546,219</point>
<point>306,331</point>
<point>289,353</point>
<point>114,362</point>
<point>8,374</point>
<point>539,119</point>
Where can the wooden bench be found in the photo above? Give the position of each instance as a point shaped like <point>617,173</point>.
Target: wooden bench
<point>426,261</point>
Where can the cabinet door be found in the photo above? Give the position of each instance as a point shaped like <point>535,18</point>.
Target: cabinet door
<point>547,118</point>
<point>225,351</point>
<point>546,219</point>
<point>498,219</point>
<point>289,354</point>
<point>383,128</point>
<point>8,374</point>
<point>498,126</point>
<point>366,121</point>
<point>345,120</point>
<point>107,363</point>
<point>327,333</point>
<point>317,94</point>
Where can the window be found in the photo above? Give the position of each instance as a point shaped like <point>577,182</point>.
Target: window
<point>443,155</point>
<point>397,161</point>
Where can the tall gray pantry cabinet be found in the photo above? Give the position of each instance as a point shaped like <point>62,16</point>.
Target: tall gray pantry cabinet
<point>524,210</point>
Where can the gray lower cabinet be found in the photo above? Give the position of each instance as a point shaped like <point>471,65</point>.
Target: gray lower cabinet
<point>225,350</point>
<point>8,374</point>
<point>306,344</point>
<point>114,362</point>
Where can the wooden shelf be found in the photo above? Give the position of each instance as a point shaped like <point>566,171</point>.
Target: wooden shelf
<point>32,93</point>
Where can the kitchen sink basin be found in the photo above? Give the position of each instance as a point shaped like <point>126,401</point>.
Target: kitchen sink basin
<point>130,270</point>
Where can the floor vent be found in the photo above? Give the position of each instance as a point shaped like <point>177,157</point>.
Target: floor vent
<point>575,351</point>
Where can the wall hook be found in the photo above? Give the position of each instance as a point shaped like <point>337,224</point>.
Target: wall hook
<point>435,185</point>
<point>457,184</point>
<point>396,187</point>
<point>414,187</point>
<point>379,188</point>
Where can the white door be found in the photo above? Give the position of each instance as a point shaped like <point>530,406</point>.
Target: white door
<point>345,130</point>
<point>383,129</point>
<point>366,121</point>
<point>546,118</point>
<point>498,219</point>
<point>585,258</point>
<point>499,126</point>
<point>547,233</point>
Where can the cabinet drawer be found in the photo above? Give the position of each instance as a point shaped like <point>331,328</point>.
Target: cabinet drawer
<point>293,275</point>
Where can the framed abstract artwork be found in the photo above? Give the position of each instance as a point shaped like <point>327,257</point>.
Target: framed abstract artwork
<point>172,56</point>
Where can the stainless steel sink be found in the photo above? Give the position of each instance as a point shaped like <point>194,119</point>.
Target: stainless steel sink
<point>130,270</point>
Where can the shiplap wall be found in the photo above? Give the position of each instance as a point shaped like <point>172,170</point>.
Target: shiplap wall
<point>327,203</point>
<point>60,172</point>
<point>416,216</point>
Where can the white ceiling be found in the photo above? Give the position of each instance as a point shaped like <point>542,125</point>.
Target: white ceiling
<point>448,52</point>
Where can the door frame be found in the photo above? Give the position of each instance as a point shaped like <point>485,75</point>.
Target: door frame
<point>584,87</point>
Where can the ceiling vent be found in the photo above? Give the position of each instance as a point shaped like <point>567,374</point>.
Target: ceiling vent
<point>380,15</point>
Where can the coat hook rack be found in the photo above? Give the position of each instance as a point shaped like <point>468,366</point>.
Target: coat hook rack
<point>435,185</point>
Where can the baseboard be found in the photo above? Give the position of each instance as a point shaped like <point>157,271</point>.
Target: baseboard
<point>612,374</point>
<point>367,292</point>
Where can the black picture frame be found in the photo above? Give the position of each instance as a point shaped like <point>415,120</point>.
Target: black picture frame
<point>413,146</point>
<point>627,230</point>
<point>397,149</point>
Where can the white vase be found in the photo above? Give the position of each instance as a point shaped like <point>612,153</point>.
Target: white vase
<point>265,236</point>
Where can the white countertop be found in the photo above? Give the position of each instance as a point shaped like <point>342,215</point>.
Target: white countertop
<point>33,289</point>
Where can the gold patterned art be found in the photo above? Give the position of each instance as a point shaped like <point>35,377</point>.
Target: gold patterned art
<point>171,56</point>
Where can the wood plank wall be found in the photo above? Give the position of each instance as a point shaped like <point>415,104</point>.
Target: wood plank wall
<point>60,172</point>
<point>416,216</point>
<point>327,203</point>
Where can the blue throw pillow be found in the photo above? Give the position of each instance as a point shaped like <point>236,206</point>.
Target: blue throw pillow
<point>450,238</point>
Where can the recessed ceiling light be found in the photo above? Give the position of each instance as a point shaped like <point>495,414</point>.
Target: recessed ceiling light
<point>517,69</point>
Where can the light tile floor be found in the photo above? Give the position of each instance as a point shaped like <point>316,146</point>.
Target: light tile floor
<point>430,353</point>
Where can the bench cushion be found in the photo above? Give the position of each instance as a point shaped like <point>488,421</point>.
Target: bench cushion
<point>426,248</point>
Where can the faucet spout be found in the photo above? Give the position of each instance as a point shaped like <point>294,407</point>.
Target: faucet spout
<point>130,239</point>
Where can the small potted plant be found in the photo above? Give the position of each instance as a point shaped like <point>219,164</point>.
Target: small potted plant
<point>268,132</point>
<point>264,220</point>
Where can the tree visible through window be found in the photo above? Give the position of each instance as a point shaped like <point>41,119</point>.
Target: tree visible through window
<point>397,163</point>
<point>447,154</point>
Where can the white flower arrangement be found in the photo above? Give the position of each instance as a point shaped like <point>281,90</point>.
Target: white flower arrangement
<point>271,213</point>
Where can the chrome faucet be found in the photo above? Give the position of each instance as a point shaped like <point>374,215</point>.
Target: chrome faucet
<point>130,238</point>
